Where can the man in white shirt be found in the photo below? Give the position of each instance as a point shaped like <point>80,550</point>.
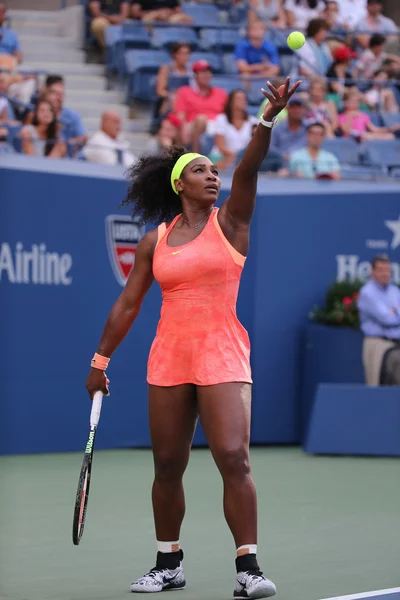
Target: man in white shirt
<point>374,22</point>
<point>379,307</point>
<point>351,12</point>
<point>107,146</point>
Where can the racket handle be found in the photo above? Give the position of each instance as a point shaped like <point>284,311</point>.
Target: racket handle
<point>96,409</point>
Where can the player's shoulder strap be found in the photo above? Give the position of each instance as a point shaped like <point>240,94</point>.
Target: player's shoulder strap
<point>164,229</point>
<point>161,231</point>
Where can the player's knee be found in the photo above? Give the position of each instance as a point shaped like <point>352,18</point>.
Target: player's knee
<point>168,467</point>
<point>234,463</point>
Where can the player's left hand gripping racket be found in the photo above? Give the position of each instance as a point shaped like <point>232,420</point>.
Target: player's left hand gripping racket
<point>82,494</point>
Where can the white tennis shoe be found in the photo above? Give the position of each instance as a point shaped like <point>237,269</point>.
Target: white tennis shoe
<point>160,580</point>
<point>253,584</point>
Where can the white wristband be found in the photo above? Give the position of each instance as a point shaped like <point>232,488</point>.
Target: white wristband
<point>265,123</point>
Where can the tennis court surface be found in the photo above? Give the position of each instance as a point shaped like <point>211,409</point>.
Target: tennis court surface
<point>329,527</point>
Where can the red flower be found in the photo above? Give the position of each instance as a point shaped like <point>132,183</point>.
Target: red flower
<point>356,295</point>
<point>347,301</point>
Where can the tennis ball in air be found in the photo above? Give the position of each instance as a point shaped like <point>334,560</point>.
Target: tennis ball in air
<point>296,40</point>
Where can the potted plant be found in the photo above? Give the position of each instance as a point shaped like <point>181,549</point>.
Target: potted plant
<point>332,343</point>
<point>340,307</point>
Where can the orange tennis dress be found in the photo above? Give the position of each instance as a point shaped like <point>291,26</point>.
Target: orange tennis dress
<point>199,338</point>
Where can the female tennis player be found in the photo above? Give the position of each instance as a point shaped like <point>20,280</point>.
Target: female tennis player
<point>199,361</point>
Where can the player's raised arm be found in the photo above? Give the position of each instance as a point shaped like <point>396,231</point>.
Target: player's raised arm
<point>125,310</point>
<point>240,204</point>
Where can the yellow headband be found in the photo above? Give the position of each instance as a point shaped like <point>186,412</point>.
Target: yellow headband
<point>180,164</point>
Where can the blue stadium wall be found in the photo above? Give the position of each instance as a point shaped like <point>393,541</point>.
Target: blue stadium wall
<point>304,236</point>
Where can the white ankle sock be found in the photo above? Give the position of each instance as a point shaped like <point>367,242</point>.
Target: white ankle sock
<point>246,549</point>
<point>168,546</point>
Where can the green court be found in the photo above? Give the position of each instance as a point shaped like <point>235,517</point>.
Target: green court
<point>328,526</point>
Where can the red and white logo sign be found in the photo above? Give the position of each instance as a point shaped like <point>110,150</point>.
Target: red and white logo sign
<point>122,234</point>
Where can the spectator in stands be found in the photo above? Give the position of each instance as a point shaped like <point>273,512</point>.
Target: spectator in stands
<point>380,98</point>
<point>312,162</point>
<point>341,71</point>
<point>9,42</point>
<point>73,130</point>
<point>199,104</point>
<point>107,146</point>
<point>315,56</point>
<point>4,102</point>
<point>21,87</point>
<point>351,12</point>
<point>42,137</point>
<point>169,133</point>
<point>357,124</point>
<point>379,307</point>
<point>331,16</point>
<point>233,130</point>
<point>300,12</point>
<point>374,22</point>
<point>270,11</point>
<point>159,10</point>
<point>372,59</point>
<point>105,13</point>
<point>254,56</point>
<point>319,108</point>
<point>291,134</point>
<point>177,68</point>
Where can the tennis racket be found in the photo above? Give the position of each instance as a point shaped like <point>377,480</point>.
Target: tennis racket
<point>82,494</point>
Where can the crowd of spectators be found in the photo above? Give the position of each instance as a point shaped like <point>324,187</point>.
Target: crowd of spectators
<point>350,65</point>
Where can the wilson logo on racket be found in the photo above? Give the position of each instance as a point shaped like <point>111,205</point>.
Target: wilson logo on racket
<point>89,444</point>
<point>122,236</point>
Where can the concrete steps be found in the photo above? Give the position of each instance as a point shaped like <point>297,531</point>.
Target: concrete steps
<point>98,97</point>
<point>41,16</point>
<point>37,28</point>
<point>75,82</point>
<point>89,109</point>
<point>32,42</point>
<point>65,68</point>
<point>60,55</point>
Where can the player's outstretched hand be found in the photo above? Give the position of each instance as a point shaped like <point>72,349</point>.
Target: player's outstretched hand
<point>97,381</point>
<point>278,99</point>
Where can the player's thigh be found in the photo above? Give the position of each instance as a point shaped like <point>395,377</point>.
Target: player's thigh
<point>225,414</point>
<point>172,419</point>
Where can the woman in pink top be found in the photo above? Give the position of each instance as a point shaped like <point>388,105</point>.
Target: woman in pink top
<point>199,361</point>
<point>355,123</point>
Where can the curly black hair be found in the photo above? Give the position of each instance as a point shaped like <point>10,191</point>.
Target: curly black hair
<point>150,192</point>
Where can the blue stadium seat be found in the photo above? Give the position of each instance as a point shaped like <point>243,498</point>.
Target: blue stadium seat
<point>203,15</point>
<point>229,63</point>
<point>278,38</point>
<point>376,119</point>
<point>254,94</point>
<point>271,163</point>
<point>227,83</point>
<point>206,143</point>
<point>213,59</point>
<point>390,119</point>
<point>385,153</point>
<point>253,109</point>
<point>364,173</point>
<point>13,137</point>
<point>134,35</point>
<point>164,37</point>
<point>177,81</point>
<point>142,66</point>
<point>288,64</point>
<point>221,39</point>
<point>120,38</point>
<point>346,150</point>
